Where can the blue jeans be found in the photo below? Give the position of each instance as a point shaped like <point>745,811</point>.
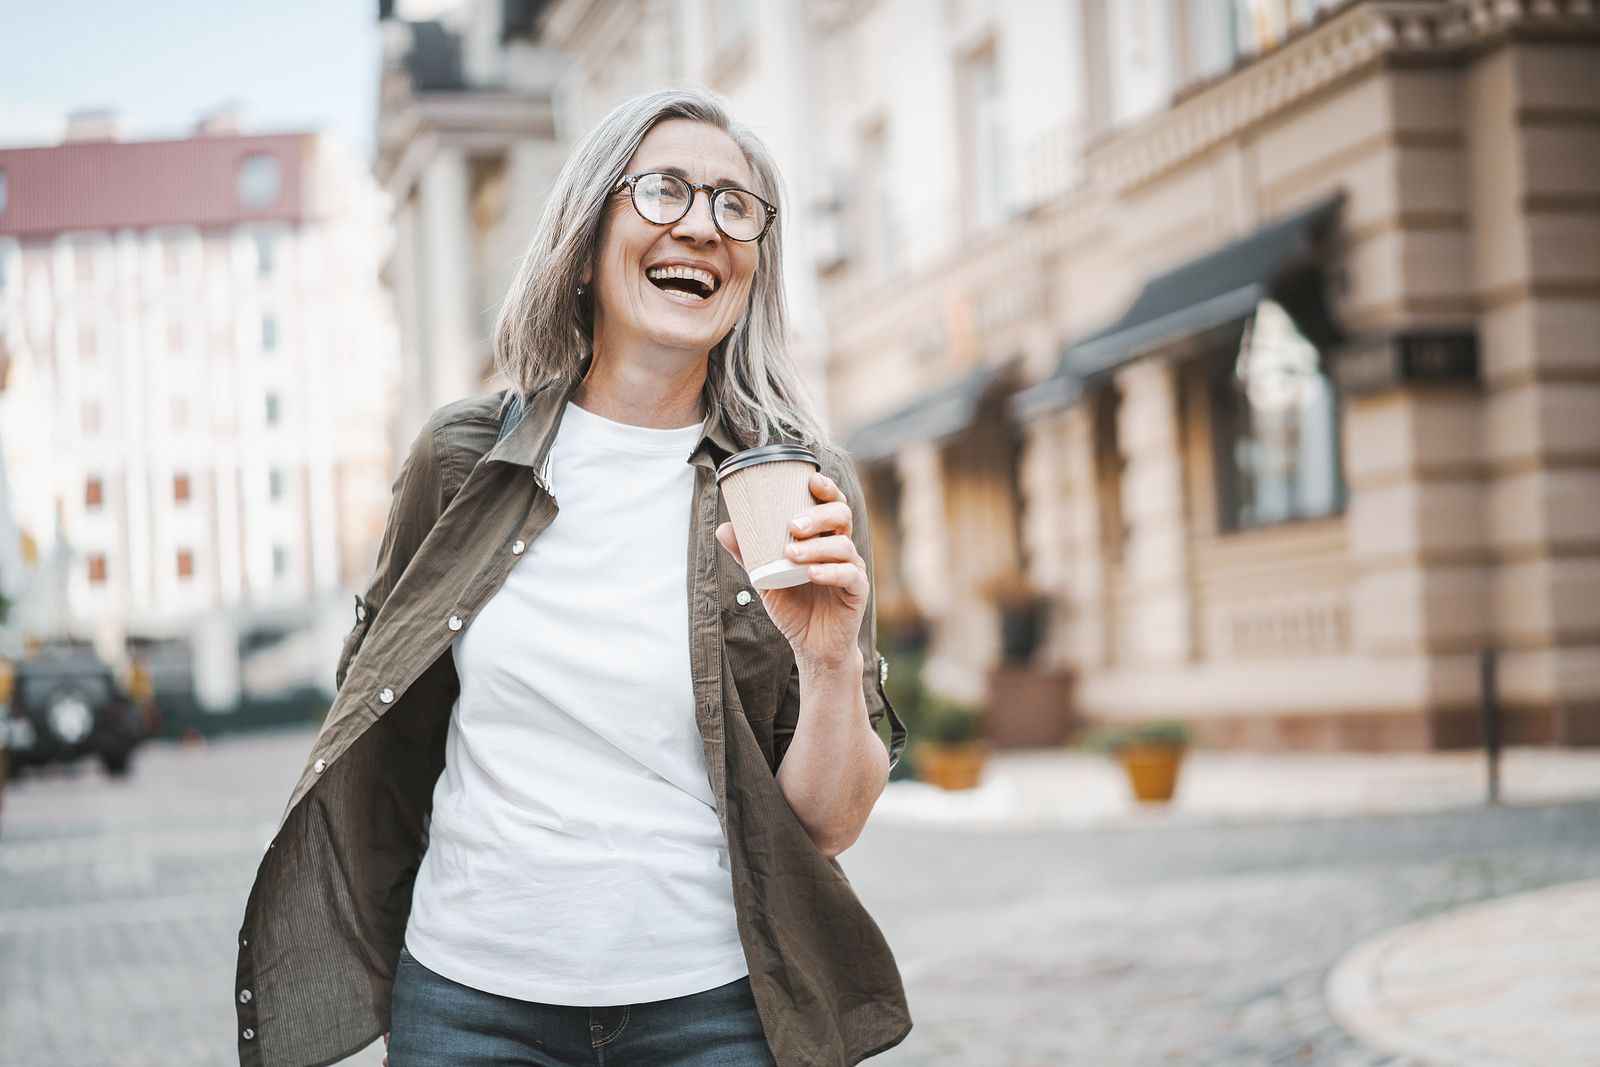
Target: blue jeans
<point>438,1022</point>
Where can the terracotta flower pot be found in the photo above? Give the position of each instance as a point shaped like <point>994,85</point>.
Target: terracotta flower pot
<point>1152,770</point>
<point>956,766</point>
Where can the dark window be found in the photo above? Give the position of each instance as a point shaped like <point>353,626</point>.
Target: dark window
<point>269,333</point>
<point>273,411</point>
<point>266,253</point>
<point>280,561</point>
<point>97,569</point>
<point>185,563</point>
<point>180,488</point>
<point>94,493</point>
<point>1277,428</point>
<point>275,483</point>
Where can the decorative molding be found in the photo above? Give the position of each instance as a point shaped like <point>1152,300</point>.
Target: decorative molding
<point>1364,33</point>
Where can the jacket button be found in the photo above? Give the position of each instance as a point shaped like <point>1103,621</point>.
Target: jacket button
<point>249,1034</point>
<point>361,613</point>
<point>517,548</point>
<point>320,766</point>
<point>883,670</point>
<point>743,598</point>
<point>386,695</point>
<point>245,996</point>
<point>455,622</point>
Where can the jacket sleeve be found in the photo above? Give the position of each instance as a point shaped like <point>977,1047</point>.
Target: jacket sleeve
<point>416,502</point>
<point>874,668</point>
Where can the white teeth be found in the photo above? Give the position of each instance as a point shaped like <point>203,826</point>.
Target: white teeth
<point>704,277</point>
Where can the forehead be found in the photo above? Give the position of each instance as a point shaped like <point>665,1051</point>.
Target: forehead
<point>703,153</point>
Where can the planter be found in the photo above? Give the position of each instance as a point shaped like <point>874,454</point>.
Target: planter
<point>957,766</point>
<point>1152,770</point>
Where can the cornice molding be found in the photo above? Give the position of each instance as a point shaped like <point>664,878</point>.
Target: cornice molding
<point>1353,39</point>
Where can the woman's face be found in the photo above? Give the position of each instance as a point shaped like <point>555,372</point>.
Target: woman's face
<point>632,310</point>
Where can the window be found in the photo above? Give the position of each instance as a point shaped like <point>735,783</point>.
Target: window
<point>275,484</point>
<point>171,258</point>
<point>180,413</point>
<point>97,568</point>
<point>185,563</point>
<point>1213,36</point>
<point>94,493</point>
<point>1277,439</point>
<point>180,488</point>
<point>280,561</point>
<point>266,253</point>
<point>875,206</point>
<point>273,411</point>
<point>259,180</point>
<point>88,341</point>
<point>174,336</point>
<point>983,135</point>
<point>269,333</point>
<point>91,418</point>
<point>83,264</point>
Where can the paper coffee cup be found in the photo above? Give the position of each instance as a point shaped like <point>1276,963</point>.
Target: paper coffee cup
<point>766,487</point>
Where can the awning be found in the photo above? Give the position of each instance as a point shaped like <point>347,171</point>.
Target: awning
<point>1215,292</point>
<point>945,411</point>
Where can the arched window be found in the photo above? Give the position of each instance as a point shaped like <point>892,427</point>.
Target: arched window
<point>259,181</point>
<point>1278,427</point>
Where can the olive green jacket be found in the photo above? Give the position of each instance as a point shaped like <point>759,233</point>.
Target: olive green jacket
<point>325,920</point>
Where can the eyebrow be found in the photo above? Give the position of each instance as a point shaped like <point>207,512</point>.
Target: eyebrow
<point>679,172</point>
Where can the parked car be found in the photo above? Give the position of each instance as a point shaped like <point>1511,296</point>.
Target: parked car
<point>65,704</point>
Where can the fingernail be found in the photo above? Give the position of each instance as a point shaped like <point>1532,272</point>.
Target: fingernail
<point>802,525</point>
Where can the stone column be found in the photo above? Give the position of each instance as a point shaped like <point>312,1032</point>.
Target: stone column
<point>1536,275</point>
<point>1160,626</point>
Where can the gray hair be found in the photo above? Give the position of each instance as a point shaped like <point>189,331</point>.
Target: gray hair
<point>545,330</point>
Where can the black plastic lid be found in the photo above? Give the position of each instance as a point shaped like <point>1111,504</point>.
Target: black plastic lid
<point>766,454</point>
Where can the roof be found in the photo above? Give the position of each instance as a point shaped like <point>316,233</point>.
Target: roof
<point>113,185</point>
<point>1212,292</point>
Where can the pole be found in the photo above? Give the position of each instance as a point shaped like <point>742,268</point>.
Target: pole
<point>1489,716</point>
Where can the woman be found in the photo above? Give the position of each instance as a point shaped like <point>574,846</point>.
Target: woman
<point>579,798</point>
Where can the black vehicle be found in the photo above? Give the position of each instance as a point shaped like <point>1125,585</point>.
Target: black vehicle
<point>65,704</point>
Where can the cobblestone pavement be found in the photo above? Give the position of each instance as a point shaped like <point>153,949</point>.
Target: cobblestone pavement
<point>1144,945</point>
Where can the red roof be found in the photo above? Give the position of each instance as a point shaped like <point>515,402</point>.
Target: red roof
<point>112,185</point>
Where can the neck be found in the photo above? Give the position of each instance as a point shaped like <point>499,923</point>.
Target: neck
<point>656,392</point>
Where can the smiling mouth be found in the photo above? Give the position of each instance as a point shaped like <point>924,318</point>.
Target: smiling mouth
<point>684,282</point>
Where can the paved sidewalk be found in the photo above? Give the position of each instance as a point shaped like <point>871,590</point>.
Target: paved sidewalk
<point>1513,982</point>
<point>1064,787</point>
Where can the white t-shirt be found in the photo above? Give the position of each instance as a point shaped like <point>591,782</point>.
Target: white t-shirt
<point>575,855</point>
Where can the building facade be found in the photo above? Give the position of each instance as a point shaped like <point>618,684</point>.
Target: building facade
<point>199,383</point>
<point>1272,387</point>
<point>467,149</point>
<point>1227,360</point>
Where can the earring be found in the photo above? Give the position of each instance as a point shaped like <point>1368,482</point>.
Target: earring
<point>581,290</point>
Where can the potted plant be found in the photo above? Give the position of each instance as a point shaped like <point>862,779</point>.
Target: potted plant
<point>950,754</point>
<point>1151,753</point>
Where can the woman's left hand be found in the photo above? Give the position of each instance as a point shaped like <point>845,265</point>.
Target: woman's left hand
<point>820,617</point>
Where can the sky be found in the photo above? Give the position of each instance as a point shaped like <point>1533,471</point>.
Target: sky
<point>289,65</point>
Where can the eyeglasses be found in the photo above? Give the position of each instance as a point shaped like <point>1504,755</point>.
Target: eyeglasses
<point>664,198</point>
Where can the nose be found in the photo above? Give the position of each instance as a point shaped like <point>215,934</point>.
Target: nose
<point>698,224</point>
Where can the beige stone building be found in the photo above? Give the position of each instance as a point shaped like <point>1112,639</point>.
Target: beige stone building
<point>1229,360</point>
<point>1278,383</point>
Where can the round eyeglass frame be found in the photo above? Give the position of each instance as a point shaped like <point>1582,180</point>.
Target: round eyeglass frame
<point>631,182</point>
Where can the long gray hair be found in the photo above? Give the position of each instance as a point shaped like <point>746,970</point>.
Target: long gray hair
<point>545,330</point>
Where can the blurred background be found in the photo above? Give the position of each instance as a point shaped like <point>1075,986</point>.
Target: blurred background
<point>1224,380</point>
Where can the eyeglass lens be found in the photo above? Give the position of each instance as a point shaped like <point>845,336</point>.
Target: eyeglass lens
<point>665,198</point>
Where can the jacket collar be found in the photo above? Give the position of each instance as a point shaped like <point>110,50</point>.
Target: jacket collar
<point>530,440</point>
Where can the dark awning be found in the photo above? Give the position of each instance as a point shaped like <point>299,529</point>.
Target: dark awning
<point>1215,292</point>
<point>945,411</point>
